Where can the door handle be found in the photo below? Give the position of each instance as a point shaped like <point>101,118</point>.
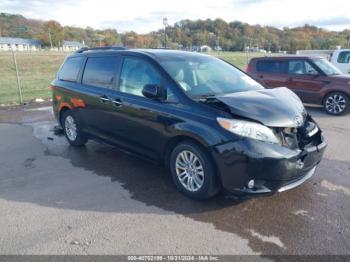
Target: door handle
<point>261,76</point>
<point>117,102</point>
<point>104,99</point>
<point>290,79</point>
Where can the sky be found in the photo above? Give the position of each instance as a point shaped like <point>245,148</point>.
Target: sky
<point>145,16</point>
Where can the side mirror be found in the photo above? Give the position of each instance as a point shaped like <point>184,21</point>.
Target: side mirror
<point>152,91</point>
<point>313,73</point>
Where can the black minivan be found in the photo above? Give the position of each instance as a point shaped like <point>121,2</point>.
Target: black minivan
<point>211,124</point>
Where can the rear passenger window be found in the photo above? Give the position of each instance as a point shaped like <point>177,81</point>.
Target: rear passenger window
<point>100,71</point>
<point>278,67</point>
<point>70,69</point>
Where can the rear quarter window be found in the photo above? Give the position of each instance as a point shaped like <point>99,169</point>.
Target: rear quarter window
<point>70,69</point>
<point>276,67</point>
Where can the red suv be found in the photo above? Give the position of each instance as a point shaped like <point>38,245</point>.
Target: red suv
<point>313,79</point>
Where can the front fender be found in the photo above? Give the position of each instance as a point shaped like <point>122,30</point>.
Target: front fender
<point>207,134</point>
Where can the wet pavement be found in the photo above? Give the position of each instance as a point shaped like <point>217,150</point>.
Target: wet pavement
<point>55,199</point>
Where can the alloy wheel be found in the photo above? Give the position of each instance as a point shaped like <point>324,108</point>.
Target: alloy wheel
<point>189,170</point>
<point>70,128</point>
<point>335,104</point>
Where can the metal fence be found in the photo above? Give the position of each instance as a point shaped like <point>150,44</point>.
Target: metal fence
<point>25,76</point>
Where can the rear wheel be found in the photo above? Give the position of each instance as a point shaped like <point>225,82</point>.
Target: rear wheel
<point>336,103</point>
<point>193,171</point>
<point>71,129</point>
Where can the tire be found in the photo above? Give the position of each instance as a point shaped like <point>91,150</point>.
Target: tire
<point>204,184</point>
<point>336,103</point>
<point>71,129</point>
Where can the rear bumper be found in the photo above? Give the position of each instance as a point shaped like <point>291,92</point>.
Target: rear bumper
<point>273,168</point>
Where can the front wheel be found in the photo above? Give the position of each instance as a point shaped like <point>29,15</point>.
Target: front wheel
<point>71,129</point>
<point>193,171</point>
<point>336,103</point>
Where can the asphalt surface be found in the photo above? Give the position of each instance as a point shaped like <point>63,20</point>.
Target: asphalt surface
<point>55,199</point>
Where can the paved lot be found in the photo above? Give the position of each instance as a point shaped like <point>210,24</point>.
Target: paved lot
<point>55,199</point>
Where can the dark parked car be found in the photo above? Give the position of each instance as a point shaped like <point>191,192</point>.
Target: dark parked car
<point>315,80</point>
<point>210,123</point>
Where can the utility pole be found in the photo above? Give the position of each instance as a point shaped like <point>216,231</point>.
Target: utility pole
<point>50,38</point>
<point>165,23</point>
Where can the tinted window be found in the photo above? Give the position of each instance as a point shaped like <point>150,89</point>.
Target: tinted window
<point>344,57</point>
<point>100,71</point>
<point>301,67</point>
<point>278,67</point>
<point>137,73</point>
<point>70,69</point>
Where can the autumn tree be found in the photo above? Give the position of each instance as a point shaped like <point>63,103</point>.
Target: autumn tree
<point>53,34</point>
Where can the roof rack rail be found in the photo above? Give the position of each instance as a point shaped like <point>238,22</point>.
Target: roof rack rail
<point>84,49</point>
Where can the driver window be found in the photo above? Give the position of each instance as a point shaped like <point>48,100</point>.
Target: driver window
<point>136,73</point>
<point>301,67</point>
<point>310,70</point>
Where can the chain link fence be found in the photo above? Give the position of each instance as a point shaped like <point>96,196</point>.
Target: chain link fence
<point>25,76</point>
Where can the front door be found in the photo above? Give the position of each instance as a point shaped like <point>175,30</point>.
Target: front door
<point>304,80</point>
<point>139,123</point>
<point>343,61</point>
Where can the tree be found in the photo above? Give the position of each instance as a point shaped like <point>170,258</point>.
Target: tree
<point>53,34</point>
<point>233,36</point>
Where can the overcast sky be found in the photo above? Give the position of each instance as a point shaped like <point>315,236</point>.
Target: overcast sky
<point>145,16</point>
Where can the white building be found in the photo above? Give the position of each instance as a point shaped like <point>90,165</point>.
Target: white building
<point>19,44</point>
<point>71,46</point>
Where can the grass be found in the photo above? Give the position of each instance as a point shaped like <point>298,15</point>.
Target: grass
<point>38,69</point>
<point>239,59</point>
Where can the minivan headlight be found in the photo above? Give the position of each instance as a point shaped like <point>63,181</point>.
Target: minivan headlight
<point>248,129</point>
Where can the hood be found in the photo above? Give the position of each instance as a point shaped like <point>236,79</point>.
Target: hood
<point>341,78</point>
<point>277,107</point>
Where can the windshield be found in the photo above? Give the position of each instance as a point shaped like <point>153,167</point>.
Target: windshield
<point>327,67</point>
<point>201,76</point>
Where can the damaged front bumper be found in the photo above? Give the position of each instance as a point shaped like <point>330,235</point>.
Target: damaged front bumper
<point>272,167</point>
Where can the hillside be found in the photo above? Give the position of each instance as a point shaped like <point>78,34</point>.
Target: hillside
<point>233,36</point>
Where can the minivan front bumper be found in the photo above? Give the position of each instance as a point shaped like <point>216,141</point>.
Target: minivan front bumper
<point>274,168</point>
